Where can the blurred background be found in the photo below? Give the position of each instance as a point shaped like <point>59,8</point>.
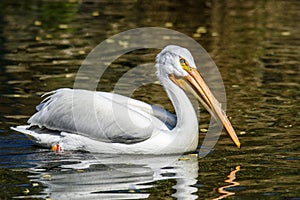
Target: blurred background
<point>256,46</point>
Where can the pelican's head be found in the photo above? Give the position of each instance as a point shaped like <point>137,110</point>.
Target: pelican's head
<point>174,60</point>
<point>177,64</point>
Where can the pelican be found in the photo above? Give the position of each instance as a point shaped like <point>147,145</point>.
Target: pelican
<point>75,119</point>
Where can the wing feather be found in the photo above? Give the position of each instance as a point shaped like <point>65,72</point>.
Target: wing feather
<point>101,116</point>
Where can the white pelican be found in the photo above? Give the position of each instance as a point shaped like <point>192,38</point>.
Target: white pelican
<point>74,119</point>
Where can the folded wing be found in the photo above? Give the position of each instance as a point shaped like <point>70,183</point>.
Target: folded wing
<point>101,116</point>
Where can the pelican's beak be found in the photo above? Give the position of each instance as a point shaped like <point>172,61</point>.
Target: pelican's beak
<point>201,91</point>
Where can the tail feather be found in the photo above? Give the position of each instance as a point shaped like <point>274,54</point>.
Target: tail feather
<point>42,137</point>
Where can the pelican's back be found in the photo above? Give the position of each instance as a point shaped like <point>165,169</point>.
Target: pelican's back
<point>100,116</point>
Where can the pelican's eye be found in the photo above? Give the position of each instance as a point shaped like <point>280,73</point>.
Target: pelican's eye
<point>184,64</point>
<point>182,61</point>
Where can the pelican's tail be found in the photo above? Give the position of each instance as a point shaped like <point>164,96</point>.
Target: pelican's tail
<point>40,136</point>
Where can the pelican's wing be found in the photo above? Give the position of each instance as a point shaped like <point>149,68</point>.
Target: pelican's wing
<point>163,115</point>
<point>101,116</point>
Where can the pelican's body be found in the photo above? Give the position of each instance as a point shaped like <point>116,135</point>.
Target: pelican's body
<point>73,119</point>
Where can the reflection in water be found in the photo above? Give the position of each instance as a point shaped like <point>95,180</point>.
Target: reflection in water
<point>102,176</point>
<point>231,177</point>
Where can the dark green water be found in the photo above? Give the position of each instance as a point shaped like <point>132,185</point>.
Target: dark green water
<point>255,44</point>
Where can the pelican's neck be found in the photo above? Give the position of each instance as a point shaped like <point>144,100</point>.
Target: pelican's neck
<point>186,117</point>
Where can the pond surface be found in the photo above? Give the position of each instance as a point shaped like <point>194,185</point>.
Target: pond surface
<point>256,46</point>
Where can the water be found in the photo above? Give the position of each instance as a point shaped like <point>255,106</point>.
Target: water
<point>256,46</point>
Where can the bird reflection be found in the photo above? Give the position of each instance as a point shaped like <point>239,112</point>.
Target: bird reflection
<point>116,177</point>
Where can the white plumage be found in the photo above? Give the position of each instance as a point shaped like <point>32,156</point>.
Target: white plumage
<point>75,119</point>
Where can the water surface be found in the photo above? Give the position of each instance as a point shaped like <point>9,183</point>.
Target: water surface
<point>255,44</point>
